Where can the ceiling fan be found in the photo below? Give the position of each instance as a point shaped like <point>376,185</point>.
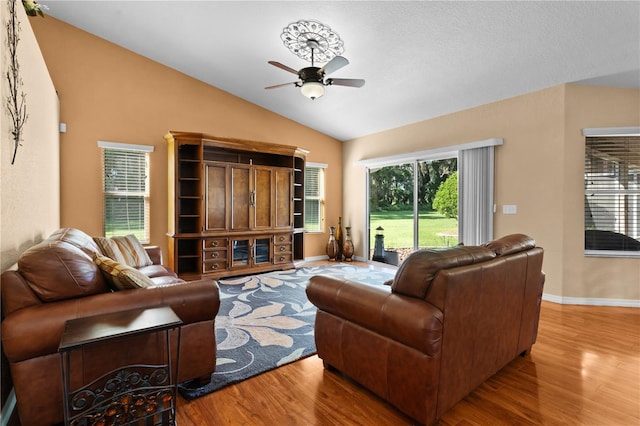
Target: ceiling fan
<point>311,80</point>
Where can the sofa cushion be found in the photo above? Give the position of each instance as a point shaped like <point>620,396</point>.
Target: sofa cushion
<point>418,270</point>
<point>57,270</point>
<point>510,244</point>
<point>77,238</point>
<point>121,276</point>
<point>127,250</point>
<point>153,271</point>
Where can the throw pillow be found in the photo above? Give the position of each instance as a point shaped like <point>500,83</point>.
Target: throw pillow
<point>120,276</point>
<point>127,250</point>
<point>109,248</point>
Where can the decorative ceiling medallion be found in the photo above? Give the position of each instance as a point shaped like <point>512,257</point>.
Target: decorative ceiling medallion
<point>304,37</point>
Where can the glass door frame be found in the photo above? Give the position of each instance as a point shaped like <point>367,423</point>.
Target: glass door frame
<point>414,160</point>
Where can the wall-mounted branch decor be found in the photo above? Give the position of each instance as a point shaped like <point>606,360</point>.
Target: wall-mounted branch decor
<point>16,101</point>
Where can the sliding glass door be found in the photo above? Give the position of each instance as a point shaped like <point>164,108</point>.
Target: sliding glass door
<point>437,203</point>
<point>412,206</point>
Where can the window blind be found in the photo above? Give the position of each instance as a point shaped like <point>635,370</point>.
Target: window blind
<point>612,193</point>
<point>313,198</point>
<point>126,192</point>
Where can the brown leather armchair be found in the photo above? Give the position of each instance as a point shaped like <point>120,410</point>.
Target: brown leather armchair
<point>449,320</point>
<point>58,280</point>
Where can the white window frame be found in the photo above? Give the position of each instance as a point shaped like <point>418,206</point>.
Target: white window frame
<point>144,149</point>
<point>609,132</point>
<point>320,198</point>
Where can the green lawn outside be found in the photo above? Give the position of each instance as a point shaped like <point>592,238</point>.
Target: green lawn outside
<point>398,229</point>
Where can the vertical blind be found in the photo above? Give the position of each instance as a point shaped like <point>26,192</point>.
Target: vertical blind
<point>126,192</point>
<point>612,193</point>
<point>475,198</point>
<point>313,198</point>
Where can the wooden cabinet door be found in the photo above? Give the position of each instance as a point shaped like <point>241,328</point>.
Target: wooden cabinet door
<point>262,198</point>
<point>283,198</point>
<point>240,197</point>
<point>215,196</point>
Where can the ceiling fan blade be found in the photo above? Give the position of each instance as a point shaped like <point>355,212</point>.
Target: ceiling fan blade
<point>334,65</point>
<point>284,67</point>
<point>351,82</point>
<point>282,85</point>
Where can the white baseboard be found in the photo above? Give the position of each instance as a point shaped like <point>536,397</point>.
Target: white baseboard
<point>7,409</point>
<point>627,303</point>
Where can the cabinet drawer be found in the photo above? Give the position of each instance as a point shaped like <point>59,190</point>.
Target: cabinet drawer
<point>220,242</point>
<point>214,265</point>
<point>214,255</point>
<point>282,258</point>
<point>282,238</point>
<point>281,249</point>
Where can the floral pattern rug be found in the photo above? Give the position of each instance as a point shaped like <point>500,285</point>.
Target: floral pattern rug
<point>266,321</point>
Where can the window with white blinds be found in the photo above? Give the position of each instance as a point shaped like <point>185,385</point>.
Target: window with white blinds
<point>612,194</point>
<point>126,190</point>
<point>314,197</point>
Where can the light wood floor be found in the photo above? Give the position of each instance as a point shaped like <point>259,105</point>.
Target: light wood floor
<point>583,370</point>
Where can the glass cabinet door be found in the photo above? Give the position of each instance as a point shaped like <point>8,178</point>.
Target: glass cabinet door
<point>240,252</point>
<point>262,250</point>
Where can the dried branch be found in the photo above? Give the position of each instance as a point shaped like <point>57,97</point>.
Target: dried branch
<point>16,102</point>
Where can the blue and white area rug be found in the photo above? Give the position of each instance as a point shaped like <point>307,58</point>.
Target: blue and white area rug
<point>266,321</point>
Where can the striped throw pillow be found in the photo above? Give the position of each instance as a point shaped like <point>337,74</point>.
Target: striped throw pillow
<point>127,250</point>
<point>122,277</point>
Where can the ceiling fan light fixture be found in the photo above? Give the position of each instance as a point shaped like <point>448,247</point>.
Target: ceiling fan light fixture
<point>312,89</point>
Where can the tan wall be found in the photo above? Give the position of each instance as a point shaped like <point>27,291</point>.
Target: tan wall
<point>539,168</point>
<point>29,188</point>
<point>112,94</point>
<point>610,278</point>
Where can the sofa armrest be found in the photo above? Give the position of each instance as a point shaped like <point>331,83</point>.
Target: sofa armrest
<point>36,330</point>
<point>410,321</point>
<point>155,253</point>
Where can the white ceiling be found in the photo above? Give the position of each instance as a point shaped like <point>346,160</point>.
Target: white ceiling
<point>420,59</point>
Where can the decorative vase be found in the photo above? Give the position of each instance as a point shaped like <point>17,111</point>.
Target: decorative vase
<point>332,245</point>
<point>347,246</point>
<point>339,238</point>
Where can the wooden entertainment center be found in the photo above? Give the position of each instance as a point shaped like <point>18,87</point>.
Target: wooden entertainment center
<point>235,207</point>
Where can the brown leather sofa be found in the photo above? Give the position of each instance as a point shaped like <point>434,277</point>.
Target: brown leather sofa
<point>449,320</point>
<point>58,280</point>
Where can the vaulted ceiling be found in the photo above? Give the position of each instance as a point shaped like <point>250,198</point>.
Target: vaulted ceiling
<point>420,59</point>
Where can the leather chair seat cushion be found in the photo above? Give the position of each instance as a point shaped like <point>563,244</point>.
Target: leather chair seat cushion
<point>153,271</point>
<point>57,270</point>
<point>166,280</point>
<point>415,275</point>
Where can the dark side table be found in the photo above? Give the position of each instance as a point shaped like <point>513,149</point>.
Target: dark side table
<point>131,394</point>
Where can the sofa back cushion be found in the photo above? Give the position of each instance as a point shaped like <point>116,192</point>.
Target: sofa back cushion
<point>511,244</point>
<point>76,238</point>
<point>415,275</point>
<point>57,270</point>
